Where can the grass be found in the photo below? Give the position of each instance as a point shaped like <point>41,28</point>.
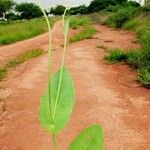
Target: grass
<point>133,58</point>
<point>118,55</point>
<point>136,19</point>
<point>18,60</point>
<point>115,56</point>
<point>86,33</point>
<point>21,30</point>
<point>79,21</point>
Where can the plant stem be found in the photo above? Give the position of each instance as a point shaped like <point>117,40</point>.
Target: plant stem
<point>49,54</point>
<point>54,139</point>
<point>62,65</point>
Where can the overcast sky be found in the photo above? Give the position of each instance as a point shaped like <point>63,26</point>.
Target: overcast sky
<point>57,2</point>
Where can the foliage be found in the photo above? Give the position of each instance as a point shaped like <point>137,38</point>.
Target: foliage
<point>58,10</point>
<point>132,4</point>
<point>76,22</point>
<point>86,33</point>
<point>24,57</point>
<point>5,6</point>
<point>121,16</point>
<point>58,99</point>
<point>18,60</point>
<point>28,10</point>
<point>144,76</point>
<point>78,10</point>
<point>90,138</point>
<point>146,8</point>
<point>115,56</point>
<point>97,5</point>
<point>20,30</point>
<point>12,16</point>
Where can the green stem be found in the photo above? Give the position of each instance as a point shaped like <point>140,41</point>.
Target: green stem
<point>54,139</point>
<point>49,53</point>
<point>62,66</point>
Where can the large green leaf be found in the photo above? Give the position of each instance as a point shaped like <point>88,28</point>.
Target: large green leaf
<point>55,112</point>
<point>89,139</point>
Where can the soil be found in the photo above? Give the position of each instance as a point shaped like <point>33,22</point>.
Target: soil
<point>108,95</point>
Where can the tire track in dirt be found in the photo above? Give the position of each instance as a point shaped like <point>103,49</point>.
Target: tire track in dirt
<point>122,111</point>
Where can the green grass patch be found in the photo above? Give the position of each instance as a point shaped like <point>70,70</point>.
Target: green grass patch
<point>78,21</point>
<point>86,33</point>
<point>144,76</point>
<point>117,55</point>
<point>21,30</point>
<point>135,59</point>
<point>18,60</point>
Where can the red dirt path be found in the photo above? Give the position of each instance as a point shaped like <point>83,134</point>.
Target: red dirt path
<point>105,94</point>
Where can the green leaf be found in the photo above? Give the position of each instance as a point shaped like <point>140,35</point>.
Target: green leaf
<point>89,139</point>
<point>66,26</point>
<point>54,113</point>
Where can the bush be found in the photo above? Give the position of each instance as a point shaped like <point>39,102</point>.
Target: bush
<point>28,10</point>
<point>144,76</point>
<point>146,8</point>
<point>132,3</point>
<point>115,56</point>
<point>121,16</point>
<point>98,5</point>
<point>113,8</point>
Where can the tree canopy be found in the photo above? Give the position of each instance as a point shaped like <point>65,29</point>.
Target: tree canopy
<point>97,5</point>
<point>28,10</point>
<point>5,6</point>
<point>58,10</point>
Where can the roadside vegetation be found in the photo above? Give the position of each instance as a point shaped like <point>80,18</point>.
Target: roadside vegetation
<point>18,60</point>
<point>87,30</point>
<point>21,30</point>
<point>86,33</point>
<point>130,16</point>
<point>79,21</point>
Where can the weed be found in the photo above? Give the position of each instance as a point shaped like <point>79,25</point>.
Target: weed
<point>144,76</point>
<point>115,56</point>
<point>86,33</point>
<point>76,22</point>
<point>20,30</point>
<point>20,59</point>
<point>24,57</point>
<point>3,73</point>
<point>121,16</point>
<point>58,100</point>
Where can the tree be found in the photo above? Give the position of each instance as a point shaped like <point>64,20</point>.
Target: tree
<point>78,10</point>
<point>121,1</point>
<point>97,5</point>
<point>5,6</point>
<point>28,10</point>
<point>58,10</point>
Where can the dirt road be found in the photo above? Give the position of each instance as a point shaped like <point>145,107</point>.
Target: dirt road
<point>105,94</point>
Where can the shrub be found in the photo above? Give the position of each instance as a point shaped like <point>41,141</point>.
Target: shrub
<point>113,8</point>
<point>132,3</point>
<point>87,33</point>
<point>144,76</point>
<point>121,16</point>
<point>146,8</point>
<point>115,56</point>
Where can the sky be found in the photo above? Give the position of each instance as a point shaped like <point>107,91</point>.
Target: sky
<point>52,3</point>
